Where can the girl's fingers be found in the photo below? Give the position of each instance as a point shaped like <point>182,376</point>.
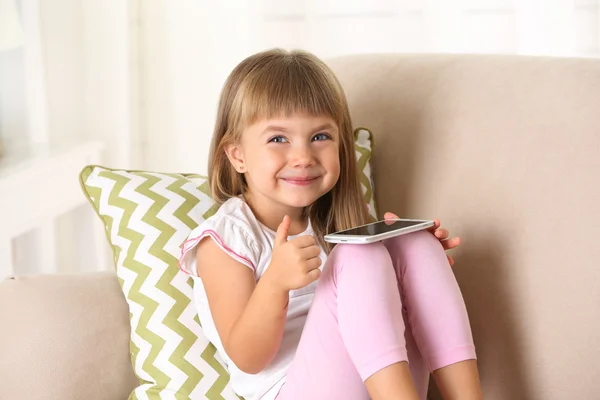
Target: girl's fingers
<point>310,252</point>
<point>451,243</point>
<point>436,224</point>
<point>441,233</point>
<point>313,275</point>
<point>389,215</point>
<point>450,260</point>
<point>313,264</point>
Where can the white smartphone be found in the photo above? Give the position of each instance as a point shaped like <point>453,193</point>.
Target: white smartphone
<point>377,231</point>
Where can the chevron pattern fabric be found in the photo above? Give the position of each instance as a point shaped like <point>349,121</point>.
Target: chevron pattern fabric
<point>363,145</point>
<point>147,216</point>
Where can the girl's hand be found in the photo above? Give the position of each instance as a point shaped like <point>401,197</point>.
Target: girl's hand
<point>295,264</point>
<point>440,233</point>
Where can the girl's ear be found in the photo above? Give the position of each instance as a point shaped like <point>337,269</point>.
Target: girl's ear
<point>236,157</point>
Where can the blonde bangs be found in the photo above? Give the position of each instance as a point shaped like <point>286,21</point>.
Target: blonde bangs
<point>281,88</point>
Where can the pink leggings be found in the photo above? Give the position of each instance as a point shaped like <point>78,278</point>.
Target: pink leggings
<point>376,305</point>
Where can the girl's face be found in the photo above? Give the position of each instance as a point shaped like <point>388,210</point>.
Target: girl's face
<point>288,161</point>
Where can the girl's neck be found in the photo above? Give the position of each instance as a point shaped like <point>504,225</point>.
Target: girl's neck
<point>271,215</point>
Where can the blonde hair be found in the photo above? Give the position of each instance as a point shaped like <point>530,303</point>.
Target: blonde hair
<point>278,83</point>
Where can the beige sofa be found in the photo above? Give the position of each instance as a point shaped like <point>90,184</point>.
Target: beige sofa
<point>504,149</point>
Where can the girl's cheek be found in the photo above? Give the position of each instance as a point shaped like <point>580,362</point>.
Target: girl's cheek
<point>271,161</point>
<point>333,155</point>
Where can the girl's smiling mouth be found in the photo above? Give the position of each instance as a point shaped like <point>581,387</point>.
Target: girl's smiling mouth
<point>301,181</point>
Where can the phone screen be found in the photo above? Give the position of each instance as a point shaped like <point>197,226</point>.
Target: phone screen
<point>379,227</point>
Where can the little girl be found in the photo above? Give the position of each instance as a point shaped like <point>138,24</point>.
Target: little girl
<point>382,316</point>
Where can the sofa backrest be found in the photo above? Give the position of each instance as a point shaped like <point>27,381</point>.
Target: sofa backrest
<point>505,151</point>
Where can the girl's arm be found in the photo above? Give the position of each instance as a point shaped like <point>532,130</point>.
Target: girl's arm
<point>249,316</point>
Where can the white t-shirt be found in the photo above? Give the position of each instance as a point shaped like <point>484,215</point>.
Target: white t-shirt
<point>237,232</point>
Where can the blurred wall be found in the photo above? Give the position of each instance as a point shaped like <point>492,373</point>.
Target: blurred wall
<point>188,48</point>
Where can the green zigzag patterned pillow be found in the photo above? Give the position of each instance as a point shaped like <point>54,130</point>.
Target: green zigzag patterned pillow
<point>147,215</point>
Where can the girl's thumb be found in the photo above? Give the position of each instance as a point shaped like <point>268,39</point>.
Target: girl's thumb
<point>282,231</point>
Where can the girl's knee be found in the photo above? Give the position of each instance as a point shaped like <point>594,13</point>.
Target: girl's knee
<point>372,255</point>
<point>421,240</point>
<point>359,251</point>
<point>420,249</point>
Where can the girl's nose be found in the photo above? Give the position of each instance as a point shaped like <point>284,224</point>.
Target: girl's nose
<point>302,157</point>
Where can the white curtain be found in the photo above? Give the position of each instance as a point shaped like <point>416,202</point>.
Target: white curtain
<point>70,79</point>
<point>11,32</point>
<point>534,27</point>
<point>67,83</point>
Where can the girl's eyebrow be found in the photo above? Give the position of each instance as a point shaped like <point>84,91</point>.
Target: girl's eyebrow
<point>277,128</point>
<point>325,127</point>
<point>274,128</point>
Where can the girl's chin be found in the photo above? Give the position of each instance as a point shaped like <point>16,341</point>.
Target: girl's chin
<point>301,202</point>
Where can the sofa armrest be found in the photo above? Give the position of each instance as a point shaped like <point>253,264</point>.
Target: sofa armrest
<point>64,337</point>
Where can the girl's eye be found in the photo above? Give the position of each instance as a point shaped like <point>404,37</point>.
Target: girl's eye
<point>321,136</point>
<point>277,139</point>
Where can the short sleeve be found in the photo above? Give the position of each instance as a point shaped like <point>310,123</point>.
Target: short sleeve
<point>229,235</point>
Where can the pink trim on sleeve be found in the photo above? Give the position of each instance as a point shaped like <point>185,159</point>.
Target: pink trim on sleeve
<point>191,243</point>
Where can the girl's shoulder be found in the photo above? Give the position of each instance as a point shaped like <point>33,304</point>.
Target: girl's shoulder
<point>234,220</point>
<point>234,229</point>
<point>232,206</point>
<point>235,215</point>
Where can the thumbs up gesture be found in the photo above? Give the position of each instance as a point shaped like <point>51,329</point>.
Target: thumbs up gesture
<point>296,263</point>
